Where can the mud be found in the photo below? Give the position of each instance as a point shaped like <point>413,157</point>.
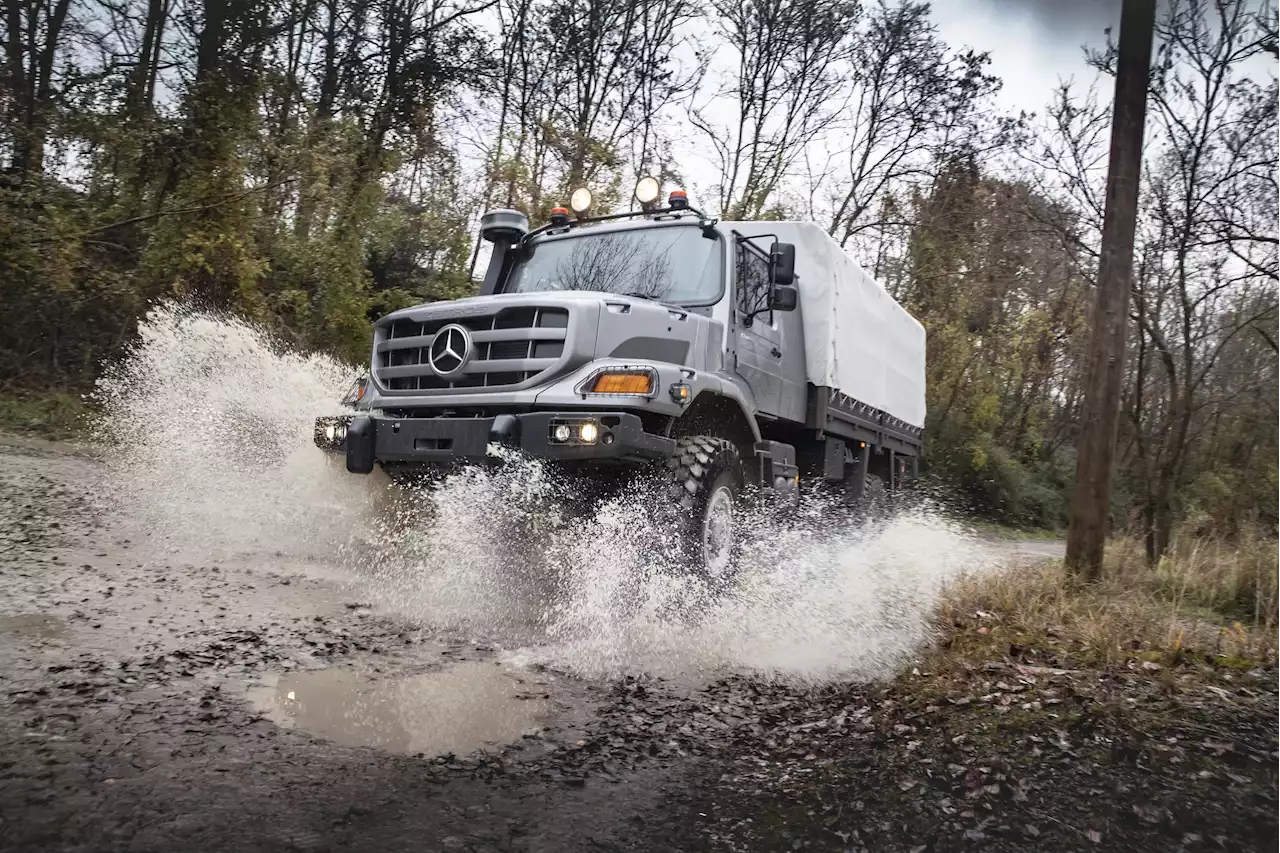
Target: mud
<point>259,699</point>
<point>249,702</point>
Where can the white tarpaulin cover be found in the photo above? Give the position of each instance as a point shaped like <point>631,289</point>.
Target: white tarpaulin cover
<point>858,339</point>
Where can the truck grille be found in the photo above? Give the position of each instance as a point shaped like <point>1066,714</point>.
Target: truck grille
<point>509,347</point>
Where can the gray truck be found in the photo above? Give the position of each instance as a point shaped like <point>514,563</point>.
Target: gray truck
<point>730,357</point>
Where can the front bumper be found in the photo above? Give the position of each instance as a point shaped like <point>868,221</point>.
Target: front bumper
<point>369,439</point>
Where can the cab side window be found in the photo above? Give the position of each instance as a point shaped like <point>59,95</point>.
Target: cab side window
<point>753,278</point>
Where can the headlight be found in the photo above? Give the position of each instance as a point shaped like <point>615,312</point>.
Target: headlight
<point>356,392</point>
<point>575,431</point>
<point>623,382</point>
<point>331,433</point>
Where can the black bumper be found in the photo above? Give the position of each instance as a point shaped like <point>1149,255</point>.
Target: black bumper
<point>367,439</point>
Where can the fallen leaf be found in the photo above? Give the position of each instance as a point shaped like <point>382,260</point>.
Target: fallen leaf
<point>1094,836</point>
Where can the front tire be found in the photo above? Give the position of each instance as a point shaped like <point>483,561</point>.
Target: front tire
<point>705,479</point>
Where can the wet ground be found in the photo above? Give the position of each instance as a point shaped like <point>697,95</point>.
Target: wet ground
<point>252,704</point>
<point>158,699</point>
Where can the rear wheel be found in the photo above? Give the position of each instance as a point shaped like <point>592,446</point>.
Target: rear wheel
<point>705,476</point>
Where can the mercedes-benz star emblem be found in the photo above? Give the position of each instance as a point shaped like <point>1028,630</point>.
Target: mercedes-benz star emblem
<point>450,349</point>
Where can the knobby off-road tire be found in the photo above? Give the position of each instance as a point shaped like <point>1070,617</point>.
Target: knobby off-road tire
<point>705,480</point>
<point>876,503</point>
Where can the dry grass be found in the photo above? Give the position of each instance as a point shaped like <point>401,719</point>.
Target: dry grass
<point>1236,580</point>
<point>1211,602</point>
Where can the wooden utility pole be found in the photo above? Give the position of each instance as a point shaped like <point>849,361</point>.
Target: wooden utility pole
<point>1095,448</point>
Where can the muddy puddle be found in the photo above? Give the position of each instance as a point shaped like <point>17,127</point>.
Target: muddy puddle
<point>38,625</point>
<point>461,709</point>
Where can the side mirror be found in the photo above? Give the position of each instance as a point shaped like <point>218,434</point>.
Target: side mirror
<point>784,298</point>
<point>783,260</point>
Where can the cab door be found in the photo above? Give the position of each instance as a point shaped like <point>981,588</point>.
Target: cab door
<point>759,335</point>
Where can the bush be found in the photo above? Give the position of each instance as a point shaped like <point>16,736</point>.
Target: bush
<point>995,486</point>
<point>53,415</point>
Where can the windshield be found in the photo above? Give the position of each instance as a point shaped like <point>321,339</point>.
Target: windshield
<point>670,264</point>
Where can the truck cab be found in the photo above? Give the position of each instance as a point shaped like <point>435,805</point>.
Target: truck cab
<point>658,339</point>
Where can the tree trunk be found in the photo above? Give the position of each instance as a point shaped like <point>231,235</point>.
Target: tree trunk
<point>1090,504</point>
<point>31,73</point>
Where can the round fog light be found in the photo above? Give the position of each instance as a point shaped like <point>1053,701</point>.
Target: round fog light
<point>562,433</point>
<point>588,433</point>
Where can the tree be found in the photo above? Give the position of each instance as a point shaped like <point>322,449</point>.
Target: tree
<point>1091,500</point>
<point>1212,232</point>
<point>33,37</point>
<point>787,89</point>
<point>912,106</point>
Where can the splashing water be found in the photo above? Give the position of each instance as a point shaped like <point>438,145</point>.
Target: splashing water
<point>210,426</point>
<point>210,423</point>
<point>820,596</point>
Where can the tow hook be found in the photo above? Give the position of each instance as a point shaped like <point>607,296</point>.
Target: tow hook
<point>505,431</point>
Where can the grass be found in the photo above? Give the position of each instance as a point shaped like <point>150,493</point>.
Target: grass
<point>1209,601</point>
<point>55,415</point>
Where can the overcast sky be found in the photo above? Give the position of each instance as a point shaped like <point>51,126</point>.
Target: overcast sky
<point>1033,43</point>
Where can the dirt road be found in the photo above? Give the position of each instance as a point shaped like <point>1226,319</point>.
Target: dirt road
<point>142,698</point>
<point>158,699</point>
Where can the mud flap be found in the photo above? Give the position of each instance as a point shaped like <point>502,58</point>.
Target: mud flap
<point>779,473</point>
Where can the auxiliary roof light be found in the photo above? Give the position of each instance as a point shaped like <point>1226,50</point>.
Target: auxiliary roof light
<point>559,216</point>
<point>678,200</point>
<point>580,201</point>
<point>647,190</point>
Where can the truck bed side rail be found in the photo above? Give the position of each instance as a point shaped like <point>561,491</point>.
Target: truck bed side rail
<point>839,414</point>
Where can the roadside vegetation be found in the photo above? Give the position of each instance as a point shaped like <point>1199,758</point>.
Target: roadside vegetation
<point>56,415</point>
<point>1135,713</point>
<point>1207,602</point>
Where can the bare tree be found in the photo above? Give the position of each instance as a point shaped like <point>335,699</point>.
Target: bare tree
<point>33,33</point>
<point>912,104</point>
<point>1091,496</point>
<point>787,89</point>
<point>1216,133</point>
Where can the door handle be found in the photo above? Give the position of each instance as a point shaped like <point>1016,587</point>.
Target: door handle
<point>776,353</point>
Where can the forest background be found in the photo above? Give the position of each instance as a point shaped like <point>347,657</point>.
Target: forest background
<point>312,164</point>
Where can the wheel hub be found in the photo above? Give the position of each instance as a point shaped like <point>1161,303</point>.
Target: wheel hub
<point>717,533</point>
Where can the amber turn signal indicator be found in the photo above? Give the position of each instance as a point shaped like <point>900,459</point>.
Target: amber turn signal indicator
<point>623,383</point>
